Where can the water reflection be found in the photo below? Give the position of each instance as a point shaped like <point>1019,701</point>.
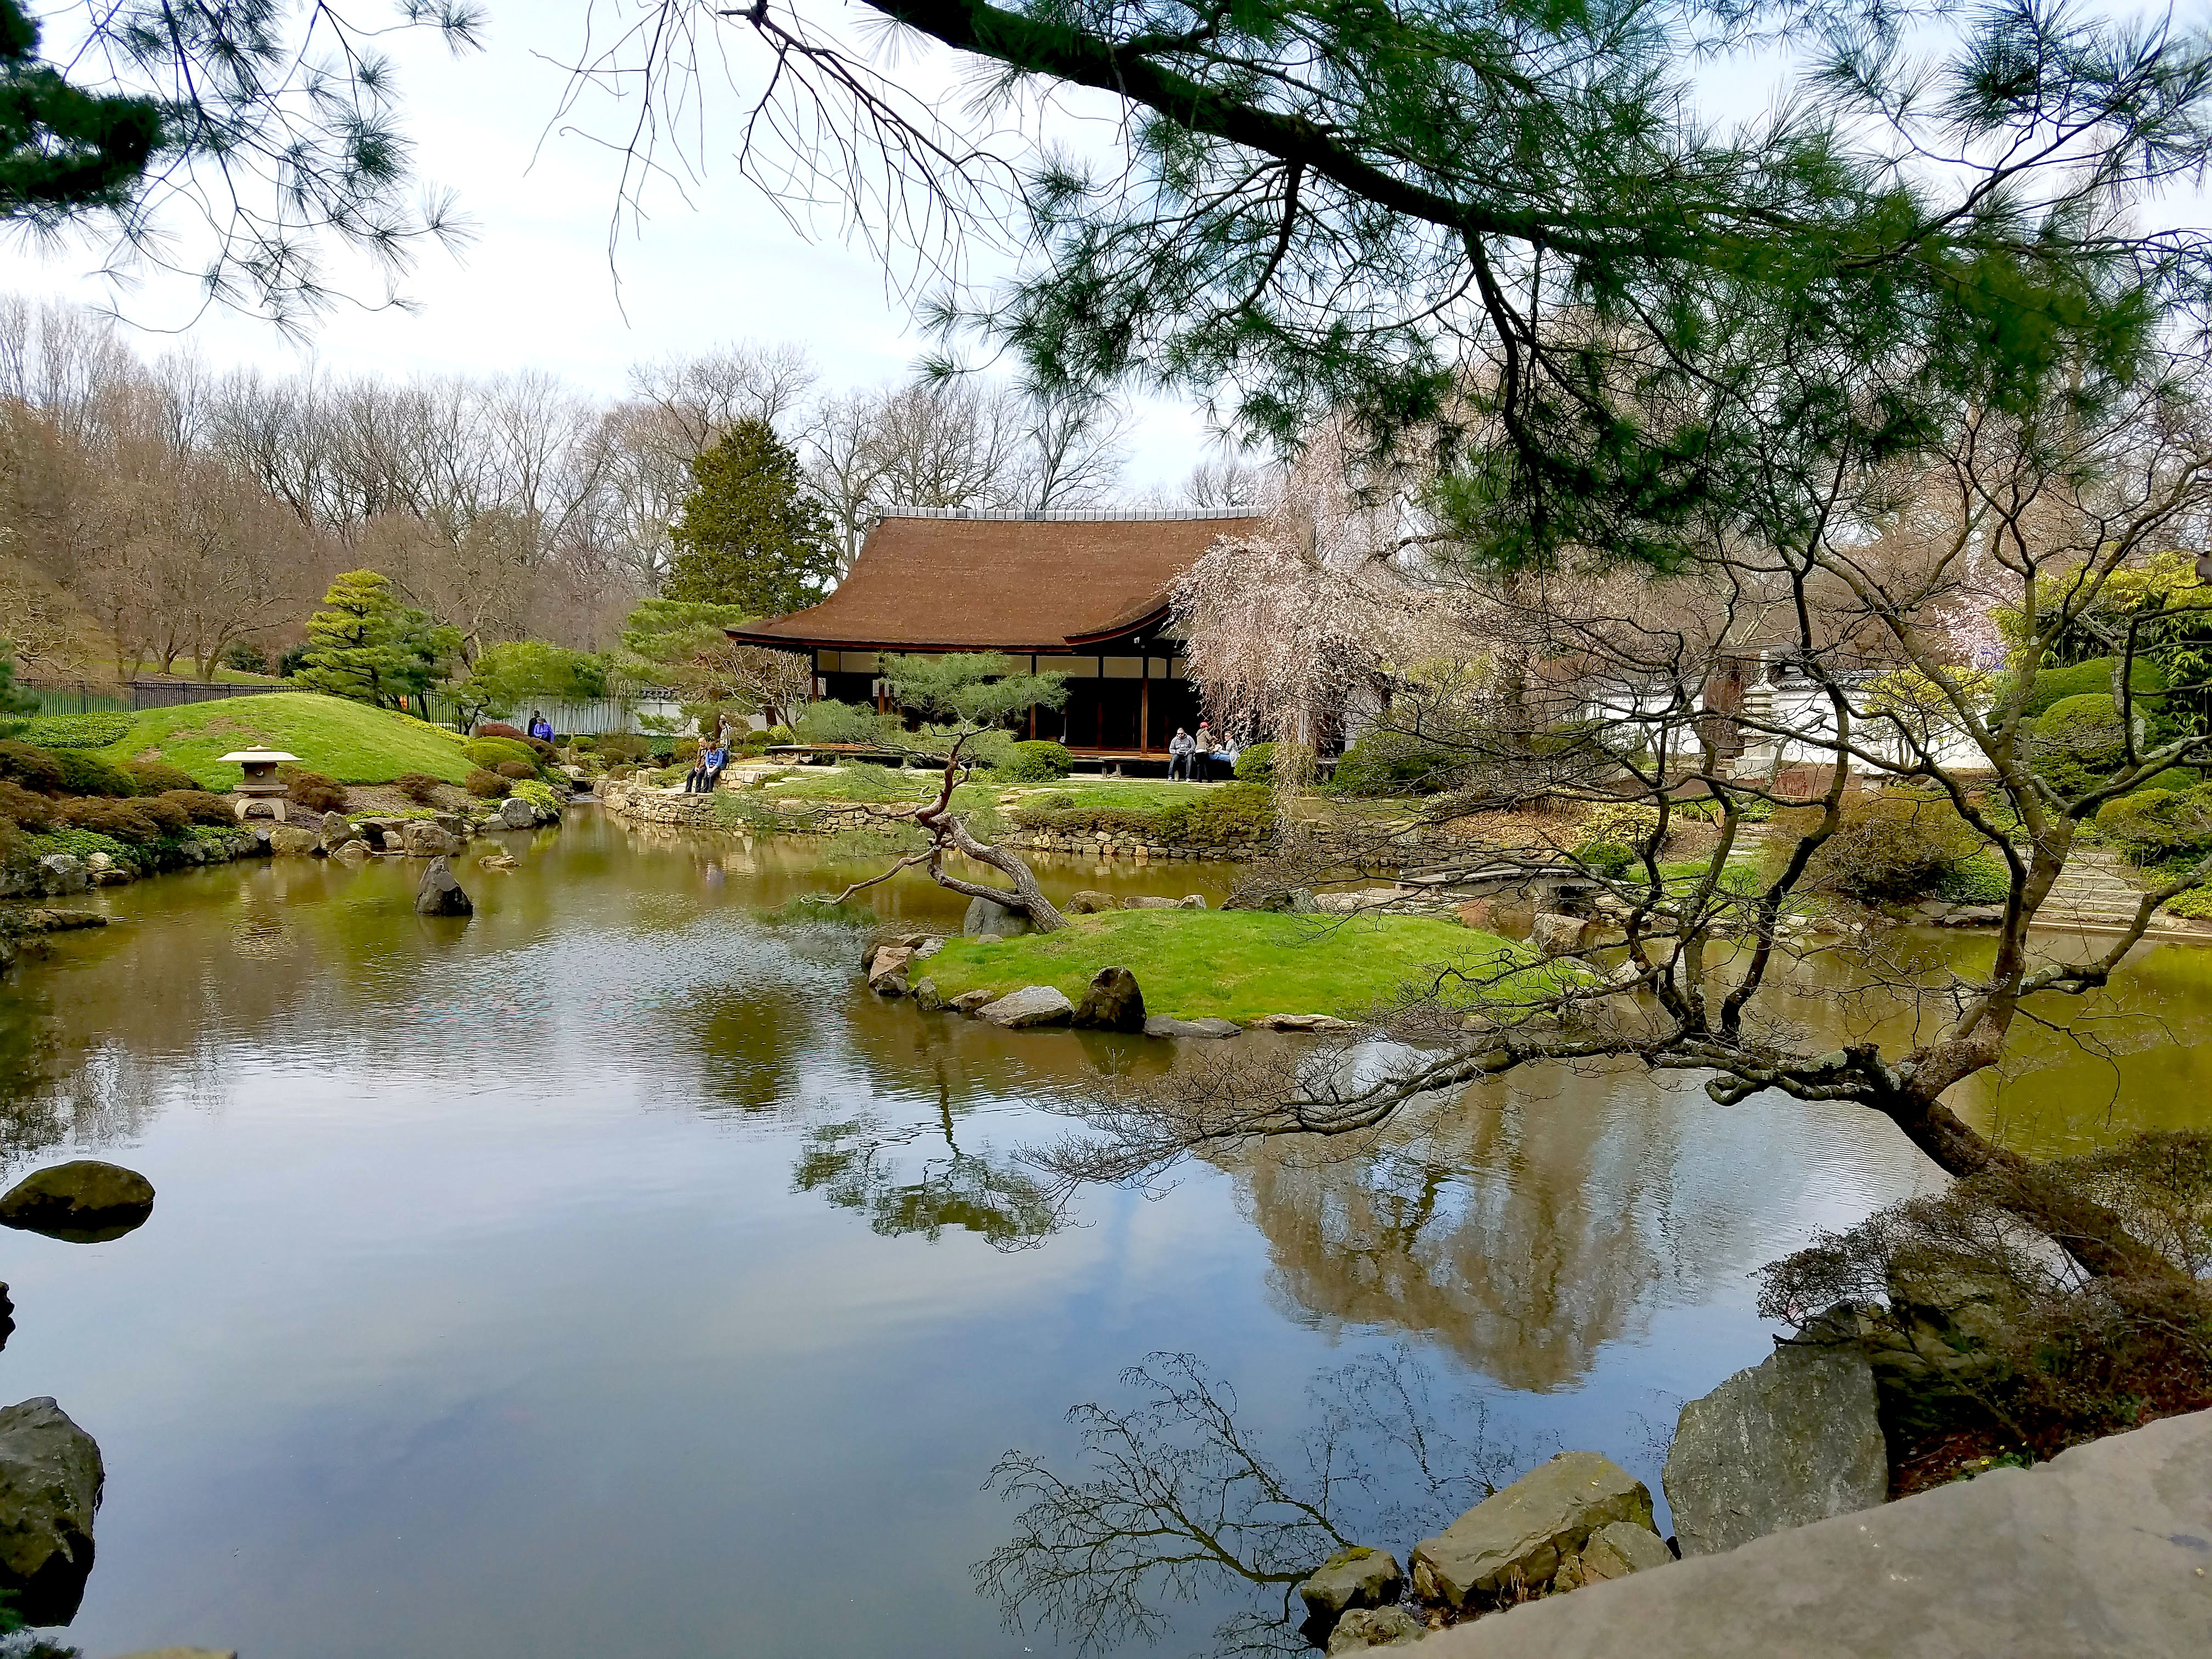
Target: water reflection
<point>395,1165</point>
<point>1175,1496</point>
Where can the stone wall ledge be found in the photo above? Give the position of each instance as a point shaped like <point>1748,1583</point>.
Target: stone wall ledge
<point>673,809</point>
<point>2106,1550</point>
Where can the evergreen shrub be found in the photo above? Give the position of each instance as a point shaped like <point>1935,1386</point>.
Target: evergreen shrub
<point>33,768</point>
<point>417,787</point>
<point>515,770</point>
<point>84,773</point>
<point>1037,761</point>
<point>1889,847</point>
<point>315,791</point>
<point>1386,762</point>
<point>485,786</point>
<point>202,805</point>
<point>77,730</point>
<point>25,808</point>
<point>491,753</point>
<point>2153,825</point>
<point>2079,742</point>
<point>158,778</point>
<point>124,820</point>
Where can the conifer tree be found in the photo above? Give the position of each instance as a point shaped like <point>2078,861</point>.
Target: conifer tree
<point>748,536</point>
<point>364,644</point>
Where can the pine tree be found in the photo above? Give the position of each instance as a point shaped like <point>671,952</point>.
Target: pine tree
<point>365,645</point>
<point>748,536</point>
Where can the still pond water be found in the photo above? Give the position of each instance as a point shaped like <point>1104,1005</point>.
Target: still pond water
<point>612,1275</point>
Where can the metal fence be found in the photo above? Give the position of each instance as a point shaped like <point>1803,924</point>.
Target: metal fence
<point>111,696</point>
<point>592,716</point>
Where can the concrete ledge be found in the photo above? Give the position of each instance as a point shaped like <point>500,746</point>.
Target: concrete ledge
<point>2106,1551</point>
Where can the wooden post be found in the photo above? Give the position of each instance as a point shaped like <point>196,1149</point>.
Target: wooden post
<point>1144,704</point>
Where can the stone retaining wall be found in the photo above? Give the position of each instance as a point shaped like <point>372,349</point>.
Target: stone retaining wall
<point>673,809</point>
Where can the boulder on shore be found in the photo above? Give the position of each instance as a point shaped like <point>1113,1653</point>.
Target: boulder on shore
<point>887,970</point>
<point>1375,1627</point>
<point>1031,1006</point>
<point>1558,935</point>
<point>1355,1577</point>
<point>419,838</point>
<point>1301,1022</point>
<point>1148,902</point>
<point>1167,1026</point>
<point>516,813</point>
<point>927,996</point>
<point>50,1483</point>
<point>967,1002</point>
<point>1791,1440</point>
<point>1518,1538</point>
<point>1091,903</point>
<point>292,840</point>
<point>1112,1002</point>
<point>441,893</point>
<point>84,1201</point>
<point>1619,1549</point>
<point>988,919</point>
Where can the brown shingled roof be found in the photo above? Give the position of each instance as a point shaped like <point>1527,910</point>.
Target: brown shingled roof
<point>1001,583</point>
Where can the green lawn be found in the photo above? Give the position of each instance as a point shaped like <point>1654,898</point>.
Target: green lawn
<point>348,741</point>
<point>1231,964</point>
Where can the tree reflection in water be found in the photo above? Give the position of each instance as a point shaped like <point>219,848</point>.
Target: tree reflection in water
<point>1173,1499</point>
<point>862,1163</point>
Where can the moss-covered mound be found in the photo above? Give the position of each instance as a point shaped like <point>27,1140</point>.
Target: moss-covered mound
<point>1232,964</point>
<point>348,741</point>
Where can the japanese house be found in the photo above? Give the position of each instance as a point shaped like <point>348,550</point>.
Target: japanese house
<point>1083,593</point>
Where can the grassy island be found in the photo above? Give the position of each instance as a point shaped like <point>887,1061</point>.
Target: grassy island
<point>349,741</point>
<point>1229,964</point>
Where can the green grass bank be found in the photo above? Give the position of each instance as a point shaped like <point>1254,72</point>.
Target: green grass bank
<point>348,741</point>
<point>1232,964</point>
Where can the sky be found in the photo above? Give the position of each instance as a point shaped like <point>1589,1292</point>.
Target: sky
<point>535,289</point>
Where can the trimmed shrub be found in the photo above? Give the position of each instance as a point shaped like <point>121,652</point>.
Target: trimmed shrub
<point>2153,825</point>
<point>539,795</point>
<point>1889,849</point>
<point>2079,742</point>
<point>1395,763</point>
<point>779,734</point>
<point>1606,858</point>
<point>486,786</point>
<point>84,773</point>
<point>35,769</point>
<point>515,770</point>
<point>2091,678</point>
<point>621,748</point>
<point>77,730</point>
<point>171,818</point>
<point>501,729</point>
<point>1234,812</point>
<point>2174,778</point>
<point>1037,760</point>
<point>1981,880</point>
<point>490,753</point>
<point>1630,823</point>
<point>158,778</point>
<point>2196,904</point>
<point>126,821</point>
<point>314,791</point>
<point>201,806</point>
<point>25,808</point>
<point>417,787</point>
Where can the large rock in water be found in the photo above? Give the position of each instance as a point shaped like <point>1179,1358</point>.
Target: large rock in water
<point>1033,1005</point>
<point>1112,1002</point>
<point>83,1200</point>
<point>50,1482</point>
<point>1620,1548</point>
<point>1355,1577</point>
<point>887,970</point>
<point>1791,1440</point>
<point>292,840</point>
<point>441,893</point>
<point>516,813</point>
<point>1167,1026</point>
<point>1519,1536</point>
<point>1558,935</point>
<point>988,919</point>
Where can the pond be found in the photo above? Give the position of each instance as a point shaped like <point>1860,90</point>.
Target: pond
<point>613,1274</point>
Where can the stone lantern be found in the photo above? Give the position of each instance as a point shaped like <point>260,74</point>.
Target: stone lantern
<point>261,790</point>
